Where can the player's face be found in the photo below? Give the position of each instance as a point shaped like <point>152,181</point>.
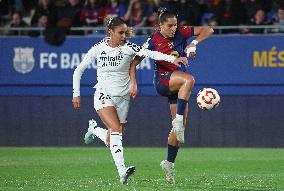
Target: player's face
<point>169,27</point>
<point>118,34</point>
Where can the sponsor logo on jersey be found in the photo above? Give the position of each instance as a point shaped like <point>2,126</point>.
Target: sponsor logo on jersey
<point>110,60</point>
<point>23,60</point>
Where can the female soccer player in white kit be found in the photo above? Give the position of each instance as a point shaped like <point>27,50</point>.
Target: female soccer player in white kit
<point>111,100</point>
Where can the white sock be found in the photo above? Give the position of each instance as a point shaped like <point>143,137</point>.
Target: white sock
<point>100,133</point>
<point>179,117</point>
<point>117,151</point>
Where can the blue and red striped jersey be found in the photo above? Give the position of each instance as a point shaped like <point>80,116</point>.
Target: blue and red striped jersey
<point>173,46</point>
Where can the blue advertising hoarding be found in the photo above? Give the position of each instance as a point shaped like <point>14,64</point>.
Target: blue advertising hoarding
<point>234,65</point>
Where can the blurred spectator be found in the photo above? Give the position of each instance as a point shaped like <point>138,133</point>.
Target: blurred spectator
<point>62,16</point>
<point>65,15</point>
<point>251,7</point>
<point>41,24</point>
<point>137,14</point>
<point>17,22</point>
<point>259,19</point>
<point>41,9</point>
<point>69,15</point>
<point>280,21</point>
<point>23,6</point>
<point>214,12</point>
<point>90,13</point>
<point>112,8</point>
<point>153,20</point>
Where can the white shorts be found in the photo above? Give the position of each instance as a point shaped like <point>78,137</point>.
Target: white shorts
<point>121,103</point>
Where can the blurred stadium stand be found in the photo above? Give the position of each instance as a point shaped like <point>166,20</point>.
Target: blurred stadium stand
<point>66,14</point>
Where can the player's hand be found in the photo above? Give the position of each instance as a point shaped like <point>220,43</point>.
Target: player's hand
<point>190,51</point>
<point>76,102</point>
<point>179,60</point>
<point>133,89</point>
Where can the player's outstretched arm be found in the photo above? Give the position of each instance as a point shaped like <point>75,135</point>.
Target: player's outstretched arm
<point>202,33</point>
<point>179,60</point>
<point>78,74</point>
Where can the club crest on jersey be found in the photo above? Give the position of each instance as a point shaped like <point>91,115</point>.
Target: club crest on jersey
<point>23,60</point>
<point>171,44</point>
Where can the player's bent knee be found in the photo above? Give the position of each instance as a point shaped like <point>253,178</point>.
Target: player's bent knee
<point>190,80</point>
<point>172,140</point>
<point>117,129</point>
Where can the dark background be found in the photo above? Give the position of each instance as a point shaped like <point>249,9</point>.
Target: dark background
<point>239,121</point>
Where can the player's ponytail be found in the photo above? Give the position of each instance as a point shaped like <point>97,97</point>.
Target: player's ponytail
<point>164,14</point>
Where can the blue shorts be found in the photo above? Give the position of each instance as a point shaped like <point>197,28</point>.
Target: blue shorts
<point>161,83</point>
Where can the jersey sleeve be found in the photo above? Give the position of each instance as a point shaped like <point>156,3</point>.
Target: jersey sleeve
<point>155,55</point>
<point>87,60</point>
<point>148,45</point>
<point>186,31</point>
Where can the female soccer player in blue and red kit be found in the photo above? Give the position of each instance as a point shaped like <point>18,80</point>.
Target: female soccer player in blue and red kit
<point>172,81</point>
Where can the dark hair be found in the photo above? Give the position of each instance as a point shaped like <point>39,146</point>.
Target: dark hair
<point>164,14</point>
<point>114,22</point>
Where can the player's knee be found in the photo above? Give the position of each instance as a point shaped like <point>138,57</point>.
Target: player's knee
<point>172,140</point>
<point>117,128</point>
<point>189,80</point>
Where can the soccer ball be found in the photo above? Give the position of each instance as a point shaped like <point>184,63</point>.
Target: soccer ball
<point>208,99</point>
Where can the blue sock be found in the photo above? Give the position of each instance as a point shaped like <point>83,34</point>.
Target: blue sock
<point>181,104</point>
<point>172,153</point>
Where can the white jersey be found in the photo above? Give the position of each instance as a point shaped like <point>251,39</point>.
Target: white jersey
<point>113,66</point>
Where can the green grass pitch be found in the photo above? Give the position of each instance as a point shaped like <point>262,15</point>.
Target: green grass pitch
<point>91,168</point>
